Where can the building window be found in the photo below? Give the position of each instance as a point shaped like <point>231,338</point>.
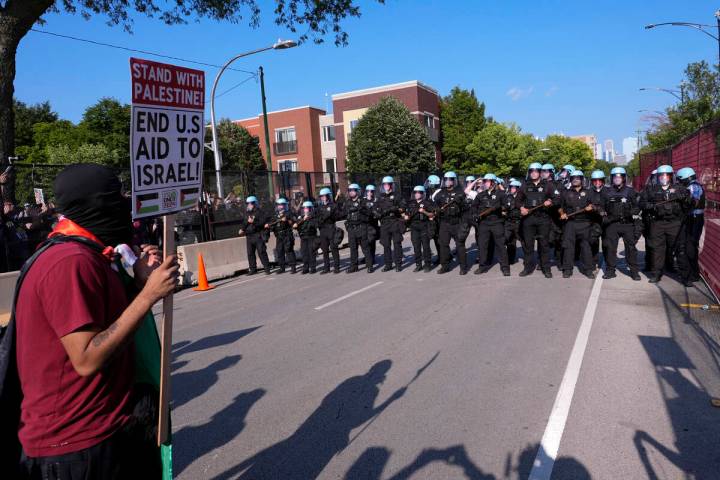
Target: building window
<point>285,141</point>
<point>287,165</point>
<point>353,124</point>
<point>330,165</point>
<point>328,133</point>
<point>429,121</point>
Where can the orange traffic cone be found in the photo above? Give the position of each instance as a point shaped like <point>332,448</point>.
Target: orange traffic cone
<point>203,284</point>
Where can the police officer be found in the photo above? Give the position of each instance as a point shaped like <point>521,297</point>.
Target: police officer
<point>473,187</point>
<point>307,227</point>
<point>533,199</point>
<point>450,203</point>
<point>692,227</point>
<point>669,204</point>
<point>563,177</point>
<point>597,187</point>
<point>388,210</point>
<point>647,218</point>
<point>281,226</point>
<point>432,186</point>
<point>512,220</point>
<point>252,225</point>
<point>487,210</point>
<point>419,214</point>
<point>547,174</point>
<point>327,214</point>
<point>621,204</point>
<point>357,215</point>
<point>575,207</point>
<point>372,225</point>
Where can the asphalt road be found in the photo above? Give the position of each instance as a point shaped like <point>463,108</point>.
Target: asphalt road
<point>423,376</point>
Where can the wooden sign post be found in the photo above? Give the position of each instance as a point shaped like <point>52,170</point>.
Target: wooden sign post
<point>166,339</point>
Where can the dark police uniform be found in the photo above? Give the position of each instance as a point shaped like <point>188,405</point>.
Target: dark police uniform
<point>487,209</point>
<point>357,215</point>
<point>326,216</point>
<point>536,225</point>
<point>308,232</point>
<point>512,226</point>
<point>597,219</point>
<point>372,228</point>
<point>667,219</point>
<point>284,240</point>
<point>387,208</point>
<point>450,204</point>
<point>622,206</point>
<point>255,239</point>
<point>420,229</point>
<point>576,229</point>
<point>690,232</point>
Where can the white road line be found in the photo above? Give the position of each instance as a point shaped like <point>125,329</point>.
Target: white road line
<point>550,443</point>
<point>340,299</point>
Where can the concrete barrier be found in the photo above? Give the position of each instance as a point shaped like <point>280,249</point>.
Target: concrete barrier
<point>224,258</point>
<point>7,290</point>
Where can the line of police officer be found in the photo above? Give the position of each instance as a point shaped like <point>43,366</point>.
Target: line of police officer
<point>547,211</point>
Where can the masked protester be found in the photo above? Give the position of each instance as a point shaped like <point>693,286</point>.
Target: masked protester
<point>281,226</point>
<point>534,199</point>
<point>575,208</point>
<point>692,227</point>
<point>419,214</point>
<point>85,413</point>
<point>621,204</point>
<point>357,215</point>
<point>669,203</point>
<point>253,224</point>
<point>451,205</point>
<point>306,225</point>
<point>388,210</point>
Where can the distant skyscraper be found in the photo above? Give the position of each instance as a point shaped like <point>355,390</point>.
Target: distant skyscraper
<point>620,159</point>
<point>609,150</point>
<point>598,151</point>
<point>630,147</point>
<point>589,140</point>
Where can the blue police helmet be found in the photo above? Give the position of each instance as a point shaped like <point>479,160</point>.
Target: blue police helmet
<point>535,166</point>
<point>354,186</point>
<point>549,166</point>
<point>388,179</point>
<point>307,203</point>
<point>500,180</point>
<point>419,188</point>
<point>597,175</point>
<point>618,171</point>
<point>470,178</point>
<point>325,191</point>
<point>577,173</point>
<point>569,168</point>
<point>370,188</point>
<point>251,199</point>
<point>450,175</point>
<point>433,180</point>
<point>281,201</point>
<point>490,176</point>
<point>515,183</point>
<point>664,169</point>
<point>685,173</point>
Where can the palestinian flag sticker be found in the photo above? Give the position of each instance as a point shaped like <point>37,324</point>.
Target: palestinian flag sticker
<point>188,196</point>
<point>147,203</point>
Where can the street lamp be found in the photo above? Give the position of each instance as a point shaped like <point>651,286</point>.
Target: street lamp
<point>674,93</point>
<point>697,26</point>
<point>279,45</point>
<point>653,111</point>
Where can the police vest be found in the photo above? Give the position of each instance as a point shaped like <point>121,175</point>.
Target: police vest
<point>576,200</point>
<point>414,212</point>
<point>489,199</point>
<point>620,204</point>
<point>535,194</point>
<point>282,225</point>
<point>355,215</point>
<point>450,204</point>
<point>673,196</point>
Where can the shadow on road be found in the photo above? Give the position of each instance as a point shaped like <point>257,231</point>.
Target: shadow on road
<point>185,346</point>
<point>686,368</point>
<point>305,453</point>
<point>190,385</point>
<point>193,442</point>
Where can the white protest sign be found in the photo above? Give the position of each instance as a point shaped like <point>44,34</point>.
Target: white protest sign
<point>167,134</point>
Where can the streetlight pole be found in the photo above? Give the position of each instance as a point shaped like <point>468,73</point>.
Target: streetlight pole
<point>674,93</point>
<point>271,188</point>
<point>697,26</point>
<point>279,45</point>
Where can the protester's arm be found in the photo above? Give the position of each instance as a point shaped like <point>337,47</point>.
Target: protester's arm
<point>89,348</point>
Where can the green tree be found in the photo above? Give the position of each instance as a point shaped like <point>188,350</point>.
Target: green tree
<point>107,123</point>
<point>26,116</point>
<point>315,19</point>
<point>562,150</point>
<point>501,149</point>
<point>388,139</point>
<point>461,117</point>
<point>240,150</point>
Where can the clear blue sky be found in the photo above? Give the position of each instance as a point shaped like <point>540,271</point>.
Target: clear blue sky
<point>549,66</point>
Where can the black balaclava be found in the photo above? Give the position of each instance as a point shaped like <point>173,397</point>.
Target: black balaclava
<point>91,196</point>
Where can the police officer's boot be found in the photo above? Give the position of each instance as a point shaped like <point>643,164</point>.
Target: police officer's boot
<point>427,268</point>
<point>443,269</point>
<point>547,273</point>
<point>267,270</point>
<point>370,269</point>
<point>418,267</point>
<point>527,271</point>
<point>635,275</point>
<point>387,267</point>
<point>293,269</point>
<point>463,270</point>
<point>336,269</point>
<point>281,269</point>
<point>398,267</point>
<point>609,274</point>
<point>567,273</point>
<point>325,270</point>
<point>506,272</point>
<point>352,269</point>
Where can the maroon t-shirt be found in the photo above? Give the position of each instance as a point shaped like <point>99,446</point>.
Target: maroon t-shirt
<point>69,286</point>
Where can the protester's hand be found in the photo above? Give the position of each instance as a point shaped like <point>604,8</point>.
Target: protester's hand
<point>295,225</point>
<point>148,260</point>
<point>267,225</point>
<point>241,232</point>
<point>589,208</point>
<point>563,216</point>
<point>162,280</point>
<point>422,210</point>
<point>28,226</point>
<point>523,211</point>
<point>547,202</point>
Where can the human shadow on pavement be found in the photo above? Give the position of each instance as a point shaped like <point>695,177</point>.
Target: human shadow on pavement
<point>563,468</point>
<point>305,453</point>
<point>190,385</point>
<point>184,347</point>
<point>194,441</point>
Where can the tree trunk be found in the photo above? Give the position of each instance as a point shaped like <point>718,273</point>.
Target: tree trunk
<point>16,19</point>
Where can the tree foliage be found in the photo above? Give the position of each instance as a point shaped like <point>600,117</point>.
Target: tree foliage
<point>388,139</point>
<point>561,150</point>
<point>500,149</point>
<point>240,150</point>
<point>462,116</point>
<point>26,116</point>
